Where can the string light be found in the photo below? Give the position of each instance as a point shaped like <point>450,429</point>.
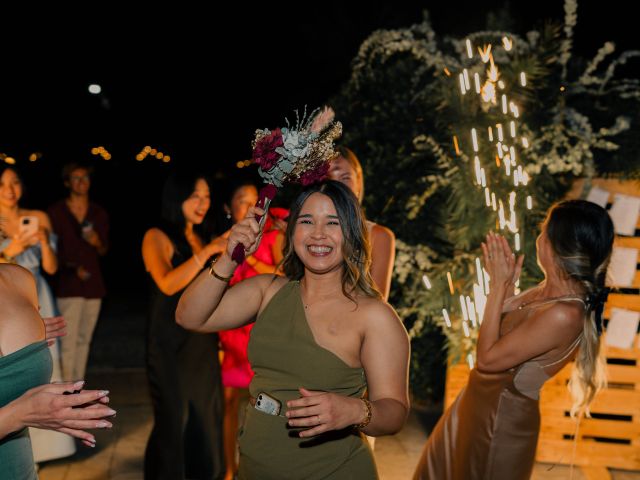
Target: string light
<point>102,152</point>
<point>153,152</point>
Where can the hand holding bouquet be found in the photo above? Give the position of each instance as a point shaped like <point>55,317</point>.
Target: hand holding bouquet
<point>299,154</point>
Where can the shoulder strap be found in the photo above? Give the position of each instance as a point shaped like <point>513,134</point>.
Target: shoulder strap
<point>540,303</point>
<point>566,353</point>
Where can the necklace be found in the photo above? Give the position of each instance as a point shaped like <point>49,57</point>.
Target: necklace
<point>551,299</point>
<point>320,298</point>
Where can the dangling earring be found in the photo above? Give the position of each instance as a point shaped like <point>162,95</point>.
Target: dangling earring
<point>228,216</point>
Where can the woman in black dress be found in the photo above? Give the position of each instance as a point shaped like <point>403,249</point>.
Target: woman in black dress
<point>182,366</point>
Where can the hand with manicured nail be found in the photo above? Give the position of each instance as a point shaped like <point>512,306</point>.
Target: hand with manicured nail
<point>57,406</point>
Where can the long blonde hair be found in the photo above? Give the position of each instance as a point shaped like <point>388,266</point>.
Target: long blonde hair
<point>581,235</point>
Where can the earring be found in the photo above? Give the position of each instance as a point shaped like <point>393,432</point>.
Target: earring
<point>228,216</point>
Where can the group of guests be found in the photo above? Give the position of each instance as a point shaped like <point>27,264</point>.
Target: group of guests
<point>189,390</point>
<point>304,323</point>
<point>326,361</point>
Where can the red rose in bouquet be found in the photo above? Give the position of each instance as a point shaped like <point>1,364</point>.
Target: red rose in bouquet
<point>264,153</point>
<point>314,176</point>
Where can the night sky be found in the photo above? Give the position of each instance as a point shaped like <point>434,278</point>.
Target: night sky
<point>197,85</point>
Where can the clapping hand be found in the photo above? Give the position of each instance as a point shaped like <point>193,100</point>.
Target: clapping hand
<point>500,262</point>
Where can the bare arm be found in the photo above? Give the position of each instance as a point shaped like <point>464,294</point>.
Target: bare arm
<point>49,257</point>
<point>383,253</point>
<point>156,253</point>
<point>208,306</point>
<point>385,357</point>
<point>532,338</point>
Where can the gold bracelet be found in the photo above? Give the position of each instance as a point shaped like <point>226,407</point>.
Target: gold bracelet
<point>213,273</point>
<point>367,420</point>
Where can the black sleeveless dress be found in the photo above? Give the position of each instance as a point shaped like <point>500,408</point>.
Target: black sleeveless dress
<point>186,392</point>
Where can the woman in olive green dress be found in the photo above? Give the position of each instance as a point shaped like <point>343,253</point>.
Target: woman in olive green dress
<point>322,337</point>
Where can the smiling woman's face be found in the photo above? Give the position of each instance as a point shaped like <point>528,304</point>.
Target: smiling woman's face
<point>197,205</point>
<point>10,188</point>
<point>318,237</point>
<point>342,171</point>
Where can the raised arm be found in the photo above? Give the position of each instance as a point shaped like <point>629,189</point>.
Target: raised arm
<point>548,328</point>
<point>157,251</point>
<point>383,253</point>
<point>208,306</point>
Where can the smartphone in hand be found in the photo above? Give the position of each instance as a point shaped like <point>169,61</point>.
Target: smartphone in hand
<point>28,225</point>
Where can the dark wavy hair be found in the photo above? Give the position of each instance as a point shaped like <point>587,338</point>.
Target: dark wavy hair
<point>581,235</point>
<point>177,188</point>
<point>356,250</point>
<point>226,189</point>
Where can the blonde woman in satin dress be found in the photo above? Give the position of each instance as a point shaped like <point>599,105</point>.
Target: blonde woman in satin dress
<point>491,430</point>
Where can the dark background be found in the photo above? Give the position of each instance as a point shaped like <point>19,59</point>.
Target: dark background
<point>196,85</point>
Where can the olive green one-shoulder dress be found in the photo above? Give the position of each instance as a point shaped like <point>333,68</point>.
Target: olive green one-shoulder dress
<point>284,357</point>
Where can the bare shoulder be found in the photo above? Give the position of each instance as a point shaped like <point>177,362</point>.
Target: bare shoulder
<point>380,232</point>
<point>157,240</point>
<point>155,235</point>
<point>565,315</point>
<point>377,312</point>
<point>43,218</point>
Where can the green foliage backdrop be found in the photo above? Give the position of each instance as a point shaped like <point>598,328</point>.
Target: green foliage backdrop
<point>401,108</point>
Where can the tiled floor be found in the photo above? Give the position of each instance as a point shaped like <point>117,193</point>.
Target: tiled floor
<point>119,451</point>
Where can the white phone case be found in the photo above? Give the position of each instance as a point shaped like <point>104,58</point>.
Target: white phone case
<point>267,404</point>
<point>28,225</point>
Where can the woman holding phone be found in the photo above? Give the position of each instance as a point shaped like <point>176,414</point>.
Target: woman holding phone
<point>34,249</point>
